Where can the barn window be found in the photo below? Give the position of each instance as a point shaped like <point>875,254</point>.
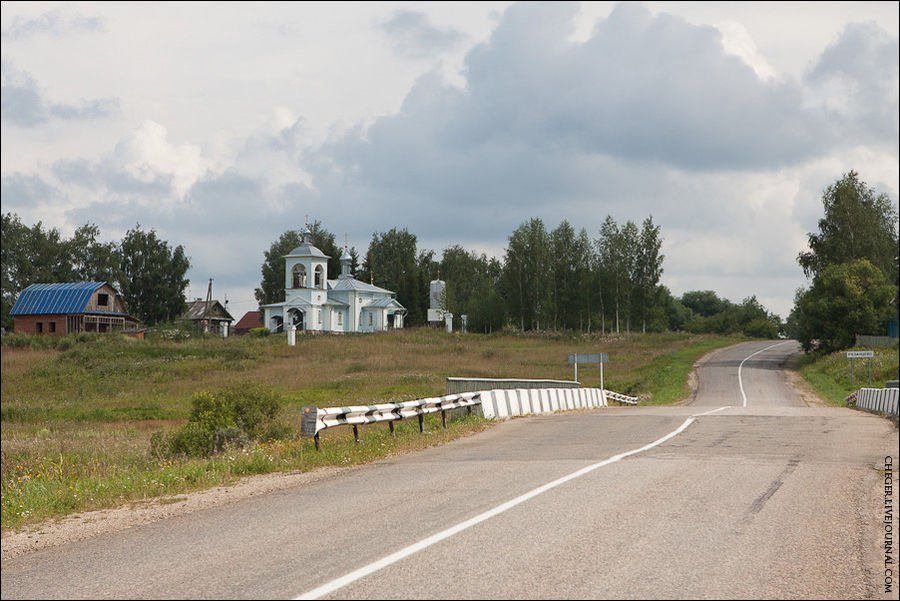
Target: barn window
<point>102,299</point>
<point>299,276</point>
<point>52,326</point>
<point>40,327</point>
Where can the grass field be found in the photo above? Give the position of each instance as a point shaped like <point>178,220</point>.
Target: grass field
<point>77,420</point>
<point>831,378</point>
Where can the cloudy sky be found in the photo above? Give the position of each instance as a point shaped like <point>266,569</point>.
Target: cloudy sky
<point>221,126</point>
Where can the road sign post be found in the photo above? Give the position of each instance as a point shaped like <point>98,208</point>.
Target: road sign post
<point>860,355</point>
<point>601,358</point>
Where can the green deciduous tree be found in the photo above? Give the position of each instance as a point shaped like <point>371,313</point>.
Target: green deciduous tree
<point>271,288</point>
<point>858,224</point>
<point>527,275</point>
<point>92,260</point>
<point>472,282</point>
<point>391,263</point>
<point>704,303</point>
<point>844,300</point>
<point>153,276</point>
<point>647,271</point>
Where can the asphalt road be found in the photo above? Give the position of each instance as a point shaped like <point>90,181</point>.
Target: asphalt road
<point>756,496</point>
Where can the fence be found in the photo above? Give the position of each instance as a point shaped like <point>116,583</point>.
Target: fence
<point>880,400</point>
<point>875,341</point>
<point>460,385</point>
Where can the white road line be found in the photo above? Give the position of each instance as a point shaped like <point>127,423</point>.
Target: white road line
<point>384,562</point>
<point>740,382</point>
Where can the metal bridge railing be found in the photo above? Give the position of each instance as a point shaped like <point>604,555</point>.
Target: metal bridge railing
<point>460,385</point>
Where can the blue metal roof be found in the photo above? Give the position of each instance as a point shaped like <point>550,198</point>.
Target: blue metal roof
<point>42,299</point>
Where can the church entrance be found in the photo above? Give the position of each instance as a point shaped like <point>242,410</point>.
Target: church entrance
<point>296,318</point>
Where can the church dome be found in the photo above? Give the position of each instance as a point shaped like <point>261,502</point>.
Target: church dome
<point>306,248</point>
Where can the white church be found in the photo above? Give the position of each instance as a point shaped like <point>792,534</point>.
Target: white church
<point>313,303</point>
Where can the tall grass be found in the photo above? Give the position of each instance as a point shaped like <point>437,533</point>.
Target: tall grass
<point>831,377</point>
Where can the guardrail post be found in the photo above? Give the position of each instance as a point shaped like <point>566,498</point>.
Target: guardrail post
<point>391,428</point>
<point>444,419</point>
<point>316,438</point>
<point>421,423</point>
<point>355,433</point>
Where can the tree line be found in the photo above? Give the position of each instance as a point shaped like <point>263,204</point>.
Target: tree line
<point>148,273</point>
<point>853,262</point>
<point>559,279</point>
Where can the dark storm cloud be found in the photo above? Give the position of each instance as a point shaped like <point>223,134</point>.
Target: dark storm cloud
<point>413,35</point>
<point>863,61</point>
<point>544,123</point>
<point>22,103</point>
<point>643,88</point>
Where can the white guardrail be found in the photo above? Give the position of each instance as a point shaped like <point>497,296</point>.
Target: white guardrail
<point>621,398</point>
<point>880,400</point>
<point>316,419</point>
<point>499,403</point>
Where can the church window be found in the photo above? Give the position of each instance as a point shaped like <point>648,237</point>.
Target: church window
<point>299,276</point>
<point>340,319</point>
<point>319,278</point>
<point>370,317</point>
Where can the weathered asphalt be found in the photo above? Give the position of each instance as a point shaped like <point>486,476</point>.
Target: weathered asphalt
<point>771,500</point>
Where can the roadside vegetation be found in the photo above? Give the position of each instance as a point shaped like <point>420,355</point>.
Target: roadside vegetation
<point>830,375</point>
<point>91,422</point>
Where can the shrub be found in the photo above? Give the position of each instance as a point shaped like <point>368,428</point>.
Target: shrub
<point>261,332</point>
<point>761,328</point>
<point>191,439</point>
<point>253,407</point>
<point>242,413</point>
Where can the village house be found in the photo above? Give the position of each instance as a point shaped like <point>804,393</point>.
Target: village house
<point>250,321</point>
<point>314,303</point>
<point>70,308</point>
<point>208,316</point>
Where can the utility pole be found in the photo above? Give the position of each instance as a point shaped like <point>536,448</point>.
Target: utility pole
<point>205,321</point>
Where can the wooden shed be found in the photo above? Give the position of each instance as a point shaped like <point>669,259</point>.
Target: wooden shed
<point>70,308</point>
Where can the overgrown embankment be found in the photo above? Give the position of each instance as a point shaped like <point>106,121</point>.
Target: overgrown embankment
<point>831,378</point>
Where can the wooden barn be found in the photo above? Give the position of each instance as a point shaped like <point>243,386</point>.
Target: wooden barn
<point>70,308</point>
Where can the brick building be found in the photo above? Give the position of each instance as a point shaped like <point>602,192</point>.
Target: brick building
<point>70,308</point>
